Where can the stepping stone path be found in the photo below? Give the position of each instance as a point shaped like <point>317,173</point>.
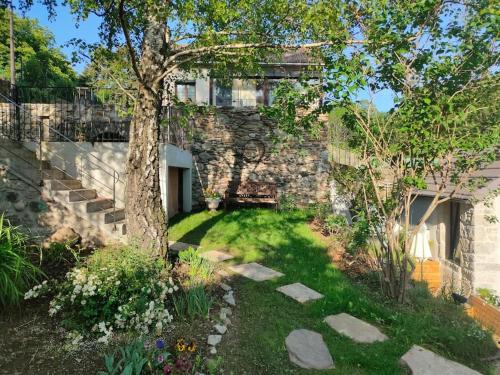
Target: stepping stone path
<point>308,350</point>
<point>299,292</point>
<point>255,271</point>
<point>216,256</point>
<point>355,328</point>
<point>179,246</point>
<point>424,362</point>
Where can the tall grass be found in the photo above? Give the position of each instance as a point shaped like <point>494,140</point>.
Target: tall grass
<point>17,273</point>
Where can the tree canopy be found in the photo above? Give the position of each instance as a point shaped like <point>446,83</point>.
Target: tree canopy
<point>38,61</point>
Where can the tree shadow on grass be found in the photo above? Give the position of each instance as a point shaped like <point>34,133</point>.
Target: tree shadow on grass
<point>197,233</point>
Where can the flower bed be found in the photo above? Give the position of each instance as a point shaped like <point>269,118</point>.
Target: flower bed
<point>487,314</point>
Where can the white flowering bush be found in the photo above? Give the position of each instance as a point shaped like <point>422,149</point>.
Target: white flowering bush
<point>114,290</point>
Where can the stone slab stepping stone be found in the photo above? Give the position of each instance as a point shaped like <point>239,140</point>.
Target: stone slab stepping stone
<point>216,256</point>
<point>255,271</point>
<point>355,328</point>
<point>299,292</point>
<point>179,246</point>
<point>424,362</point>
<point>308,350</point>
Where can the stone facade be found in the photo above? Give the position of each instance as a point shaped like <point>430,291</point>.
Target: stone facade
<point>476,260</point>
<point>486,245</point>
<point>235,145</point>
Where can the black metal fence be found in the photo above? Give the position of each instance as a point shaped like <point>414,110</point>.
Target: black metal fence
<point>81,114</point>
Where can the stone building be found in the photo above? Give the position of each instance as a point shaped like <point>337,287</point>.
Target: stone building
<point>465,235</point>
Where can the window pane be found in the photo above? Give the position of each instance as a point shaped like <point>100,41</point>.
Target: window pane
<point>223,95</point>
<point>186,91</point>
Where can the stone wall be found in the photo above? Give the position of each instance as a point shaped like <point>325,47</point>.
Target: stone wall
<point>486,245</point>
<point>477,257</point>
<point>235,145</point>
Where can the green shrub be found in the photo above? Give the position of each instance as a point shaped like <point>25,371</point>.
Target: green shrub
<point>288,202</point>
<point>17,273</point>
<point>336,224</point>
<point>360,234</point>
<point>116,289</point>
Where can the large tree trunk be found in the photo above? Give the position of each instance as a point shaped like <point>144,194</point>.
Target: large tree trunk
<point>145,217</point>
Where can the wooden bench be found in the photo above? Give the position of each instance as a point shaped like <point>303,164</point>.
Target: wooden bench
<point>252,192</point>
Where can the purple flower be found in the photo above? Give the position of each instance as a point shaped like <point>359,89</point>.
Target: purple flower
<point>160,358</point>
<point>160,344</point>
<point>167,369</point>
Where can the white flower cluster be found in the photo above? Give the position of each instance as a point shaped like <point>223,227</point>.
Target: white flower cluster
<point>55,305</point>
<point>133,313</point>
<point>36,291</point>
<point>107,330</point>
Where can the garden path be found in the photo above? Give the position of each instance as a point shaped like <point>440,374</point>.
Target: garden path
<point>307,348</point>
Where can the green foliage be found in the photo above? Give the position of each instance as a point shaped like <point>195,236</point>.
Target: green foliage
<point>336,224</point>
<point>137,358</point>
<point>288,202</point>
<point>489,296</point>
<point>198,302</point>
<point>200,269</point>
<point>131,360</point>
<point>193,303</point>
<point>59,253</point>
<point>116,289</point>
<point>17,272</point>
<point>38,61</point>
<point>360,234</point>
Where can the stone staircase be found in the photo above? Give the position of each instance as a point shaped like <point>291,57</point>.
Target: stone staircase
<point>85,203</point>
<point>81,208</point>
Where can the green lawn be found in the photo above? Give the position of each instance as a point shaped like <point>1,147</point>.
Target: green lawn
<point>264,317</point>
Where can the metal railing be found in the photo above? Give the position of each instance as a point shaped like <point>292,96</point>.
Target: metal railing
<point>80,114</point>
<point>44,130</point>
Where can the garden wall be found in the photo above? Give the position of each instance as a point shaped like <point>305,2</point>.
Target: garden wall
<point>488,315</point>
<point>235,145</point>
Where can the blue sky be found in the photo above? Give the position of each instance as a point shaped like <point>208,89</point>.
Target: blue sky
<point>64,28</point>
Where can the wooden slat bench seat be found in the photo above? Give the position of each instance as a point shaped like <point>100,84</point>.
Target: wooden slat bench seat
<point>252,192</point>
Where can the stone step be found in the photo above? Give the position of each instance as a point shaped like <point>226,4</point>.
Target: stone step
<point>111,216</point>
<point>99,204</point>
<point>54,174</point>
<point>354,328</point>
<point>65,184</point>
<point>421,361</point>
<point>82,195</point>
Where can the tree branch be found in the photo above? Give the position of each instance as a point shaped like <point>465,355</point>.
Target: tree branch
<point>128,41</point>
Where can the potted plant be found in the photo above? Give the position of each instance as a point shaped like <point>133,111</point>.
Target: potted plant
<point>212,198</point>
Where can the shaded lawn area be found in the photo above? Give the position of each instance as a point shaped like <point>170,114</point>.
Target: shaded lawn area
<point>263,317</point>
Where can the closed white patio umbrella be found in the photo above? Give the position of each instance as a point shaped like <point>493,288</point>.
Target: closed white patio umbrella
<point>420,248</point>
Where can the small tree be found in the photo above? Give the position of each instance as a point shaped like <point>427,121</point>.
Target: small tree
<point>439,60</point>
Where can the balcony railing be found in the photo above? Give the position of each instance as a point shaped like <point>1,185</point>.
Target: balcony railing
<point>79,114</point>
